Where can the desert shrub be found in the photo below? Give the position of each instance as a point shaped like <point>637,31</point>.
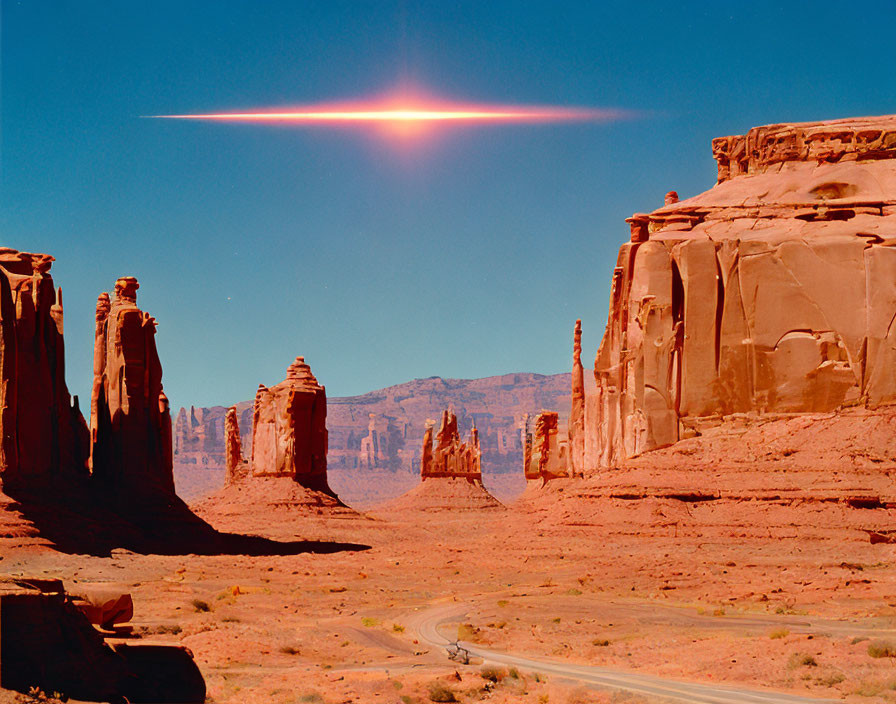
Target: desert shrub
<point>779,633</point>
<point>369,622</point>
<point>513,673</point>
<point>503,602</point>
<point>555,620</point>
<point>230,619</point>
<point>858,639</point>
<point>832,679</point>
<point>170,630</point>
<point>200,606</point>
<point>492,673</point>
<point>438,692</point>
<point>600,642</point>
<point>882,649</point>
<point>289,650</point>
<point>312,698</point>
<point>398,628</point>
<point>574,592</point>
<point>801,660</point>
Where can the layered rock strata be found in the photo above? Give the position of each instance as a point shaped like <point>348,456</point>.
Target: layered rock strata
<point>450,457</point>
<point>42,433</point>
<point>772,293</point>
<point>130,423</point>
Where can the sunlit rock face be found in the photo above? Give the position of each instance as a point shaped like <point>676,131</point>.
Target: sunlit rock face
<point>450,457</point>
<point>773,292</point>
<point>41,432</point>
<point>130,423</point>
<point>289,430</point>
<point>546,453</point>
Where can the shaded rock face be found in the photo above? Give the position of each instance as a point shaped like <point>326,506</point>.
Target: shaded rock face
<point>130,423</point>
<point>289,430</point>
<point>547,449</point>
<point>450,457</point>
<point>773,292</point>
<point>236,465</point>
<point>43,433</point>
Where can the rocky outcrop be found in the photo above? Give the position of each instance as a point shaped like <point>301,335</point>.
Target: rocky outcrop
<point>450,457</point>
<point>771,293</point>
<point>236,465</point>
<point>289,430</point>
<point>130,424</point>
<point>547,453</point>
<point>43,433</point>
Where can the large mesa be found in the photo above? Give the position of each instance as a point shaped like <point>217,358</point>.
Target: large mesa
<point>771,293</point>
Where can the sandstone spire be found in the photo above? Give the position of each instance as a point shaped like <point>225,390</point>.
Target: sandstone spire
<point>450,457</point>
<point>130,424</point>
<point>577,410</point>
<point>234,451</point>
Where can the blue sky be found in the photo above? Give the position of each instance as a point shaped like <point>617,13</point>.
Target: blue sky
<point>470,255</point>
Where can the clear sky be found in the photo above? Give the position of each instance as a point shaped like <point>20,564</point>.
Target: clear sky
<point>467,254</point>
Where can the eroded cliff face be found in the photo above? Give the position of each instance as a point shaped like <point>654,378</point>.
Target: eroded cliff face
<point>547,450</point>
<point>450,457</point>
<point>772,293</point>
<point>43,433</point>
<point>289,430</point>
<point>130,422</point>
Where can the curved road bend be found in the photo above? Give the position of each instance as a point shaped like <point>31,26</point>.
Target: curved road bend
<point>426,624</point>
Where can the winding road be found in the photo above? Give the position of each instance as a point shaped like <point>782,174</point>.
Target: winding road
<point>426,624</point>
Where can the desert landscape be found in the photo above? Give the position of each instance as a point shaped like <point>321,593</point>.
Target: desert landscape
<point>698,505</point>
<point>712,521</point>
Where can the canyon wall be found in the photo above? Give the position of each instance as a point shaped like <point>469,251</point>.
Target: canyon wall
<point>772,293</point>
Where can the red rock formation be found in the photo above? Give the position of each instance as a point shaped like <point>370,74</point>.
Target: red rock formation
<point>236,465</point>
<point>130,424</point>
<point>451,457</point>
<point>771,293</point>
<point>289,436</point>
<point>42,432</point>
<point>547,453</point>
<point>576,431</point>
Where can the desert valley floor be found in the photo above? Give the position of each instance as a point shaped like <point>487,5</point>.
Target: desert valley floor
<point>686,591</point>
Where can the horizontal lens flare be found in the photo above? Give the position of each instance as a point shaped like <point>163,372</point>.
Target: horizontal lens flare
<point>408,115</point>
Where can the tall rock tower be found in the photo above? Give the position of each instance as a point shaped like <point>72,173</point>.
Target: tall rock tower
<point>130,423</point>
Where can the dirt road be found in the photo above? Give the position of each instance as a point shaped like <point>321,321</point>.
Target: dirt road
<point>426,624</point>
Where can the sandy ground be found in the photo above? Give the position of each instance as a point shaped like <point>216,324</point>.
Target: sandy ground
<point>700,592</point>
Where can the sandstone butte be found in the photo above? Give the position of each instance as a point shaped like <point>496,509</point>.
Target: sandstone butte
<point>287,467</point>
<point>771,294</point>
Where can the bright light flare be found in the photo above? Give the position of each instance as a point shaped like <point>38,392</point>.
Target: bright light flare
<point>406,115</point>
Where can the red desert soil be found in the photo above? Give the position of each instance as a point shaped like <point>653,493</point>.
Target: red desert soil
<point>782,593</point>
